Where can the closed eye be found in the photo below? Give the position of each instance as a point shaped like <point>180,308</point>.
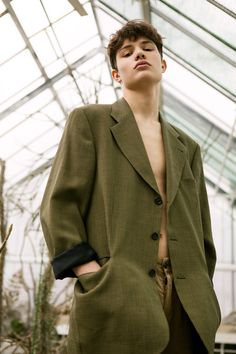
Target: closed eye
<point>126,54</point>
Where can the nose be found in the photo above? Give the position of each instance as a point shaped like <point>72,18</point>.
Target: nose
<point>140,54</point>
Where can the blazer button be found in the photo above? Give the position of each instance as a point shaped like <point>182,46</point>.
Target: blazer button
<point>155,236</point>
<point>152,273</point>
<point>158,200</point>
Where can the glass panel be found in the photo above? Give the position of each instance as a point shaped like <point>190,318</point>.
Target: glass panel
<point>68,92</point>
<point>28,135</point>
<point>213,141</point>
<point>20,94</point>
<point>207,15</point>
<point>91,77</point>
<point>54,41</point>
<point>36,103</point>
<point>205,35</point>
<point>43,48</point>
<point>198,56</point>
<point>31,15</point>
<point>20,162</point>
<point>18,73</point>
<point>2,7</point>
<point>84,49</point>
<point>11,43</point>
<point>51,112</point>
<point>10,123</point>
<point>55,68</point>
<point>106,95</point>
<point>41,146</point>
<point>198,95</point>
<point>58,10</point>
<point>108,24</point>
<point>229,4</point>
<point>78,29</point>
<point>128,8</point>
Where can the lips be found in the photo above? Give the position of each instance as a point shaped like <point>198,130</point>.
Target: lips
<point>140,63</point>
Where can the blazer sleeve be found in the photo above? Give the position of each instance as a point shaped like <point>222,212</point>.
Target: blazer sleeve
<point>210,252</point>
<point>67,197</point>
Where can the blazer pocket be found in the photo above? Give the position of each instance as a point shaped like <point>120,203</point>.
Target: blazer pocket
<point>89,281</point>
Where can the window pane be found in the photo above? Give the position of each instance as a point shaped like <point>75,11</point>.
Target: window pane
<point>37,19</point>
<point>11,43</point>
<point>17,73</point>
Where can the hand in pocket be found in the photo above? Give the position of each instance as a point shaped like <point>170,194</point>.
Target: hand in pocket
<point>86,268</point>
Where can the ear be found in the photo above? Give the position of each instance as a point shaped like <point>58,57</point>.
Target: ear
<point>116,76</point>
<point>163,65</point>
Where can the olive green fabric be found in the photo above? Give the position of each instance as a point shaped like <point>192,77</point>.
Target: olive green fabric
<point>102,191</point>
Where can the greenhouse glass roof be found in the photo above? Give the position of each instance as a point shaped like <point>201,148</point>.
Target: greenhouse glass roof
<point>53,58</point>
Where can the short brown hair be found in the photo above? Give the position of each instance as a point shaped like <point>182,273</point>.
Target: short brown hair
<point>132,30</point>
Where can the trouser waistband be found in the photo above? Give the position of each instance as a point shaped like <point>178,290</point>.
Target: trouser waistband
<point>164,281</point>
<point>164,262</point>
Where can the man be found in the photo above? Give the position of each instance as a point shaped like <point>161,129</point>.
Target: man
<point>126,212</point>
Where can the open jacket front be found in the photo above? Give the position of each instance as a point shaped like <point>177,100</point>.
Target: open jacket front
<point>101,203</point>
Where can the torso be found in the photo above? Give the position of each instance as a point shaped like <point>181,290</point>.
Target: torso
<point>152,138</point>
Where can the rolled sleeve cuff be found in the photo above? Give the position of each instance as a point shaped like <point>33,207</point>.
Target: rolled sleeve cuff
<point>63,263</point>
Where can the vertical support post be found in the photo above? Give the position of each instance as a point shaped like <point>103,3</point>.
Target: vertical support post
<point>2,238</point>
<point>146,16</point>
<point>146,10</point>
<point>101,37</point>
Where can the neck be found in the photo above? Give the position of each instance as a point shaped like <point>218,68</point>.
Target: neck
<point>144,105</point>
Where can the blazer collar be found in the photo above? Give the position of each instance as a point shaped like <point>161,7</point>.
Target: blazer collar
<point>129,140</point>
<point>128,137</point>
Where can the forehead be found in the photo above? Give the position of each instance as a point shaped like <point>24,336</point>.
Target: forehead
<point>132,42</point>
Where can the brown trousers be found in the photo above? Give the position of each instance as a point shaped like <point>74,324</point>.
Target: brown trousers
<point>184,339</point>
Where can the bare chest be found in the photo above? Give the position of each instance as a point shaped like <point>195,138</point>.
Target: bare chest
<point>152,138</point>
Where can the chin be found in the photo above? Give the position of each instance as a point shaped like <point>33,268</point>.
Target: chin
<point>144,82</point>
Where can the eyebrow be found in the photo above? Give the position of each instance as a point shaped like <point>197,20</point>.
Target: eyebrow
<point>131,45</point>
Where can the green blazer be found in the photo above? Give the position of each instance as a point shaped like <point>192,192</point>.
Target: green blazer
<point>102,202</point>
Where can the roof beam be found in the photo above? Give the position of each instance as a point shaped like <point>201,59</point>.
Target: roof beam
<point>31,49</point>
<point>78,7</point>
<point>223,8</point>
<point>48,83</point>
<point>193,36</point>
<point>188,66</point>
<point>103,44</point>
<point>199,25</point>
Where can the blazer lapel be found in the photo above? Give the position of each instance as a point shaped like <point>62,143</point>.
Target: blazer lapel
<point>129,140</point>
<point>175,153</point>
